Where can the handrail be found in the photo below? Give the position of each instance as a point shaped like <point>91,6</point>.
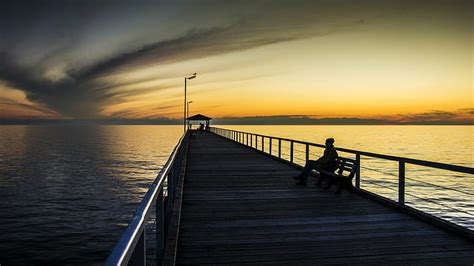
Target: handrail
<point>444,166</point>
<point>132,246</point>
<point>257,142</point>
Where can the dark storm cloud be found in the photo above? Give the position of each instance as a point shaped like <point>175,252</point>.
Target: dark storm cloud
<point>68,97</point>
<point>79,94</point>
<point>5,102</point>
<point>40,35</point>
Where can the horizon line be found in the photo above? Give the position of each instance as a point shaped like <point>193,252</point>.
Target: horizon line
<point>257,120</point>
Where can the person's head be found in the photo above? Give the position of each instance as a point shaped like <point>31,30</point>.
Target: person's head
<point>330,142</point>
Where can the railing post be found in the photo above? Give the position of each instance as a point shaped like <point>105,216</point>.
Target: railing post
<point>291,151</point>
<point>160,228</point>
<point>401,183</point>
<point>270,146</point>
<point>263,143</point>
<point>357,184</point>
<point>139,253</point>
<point>247,137</point>
<point>279,148</point>
<point>251,140</point>
<point>256,142</point>
<point>307,152</point>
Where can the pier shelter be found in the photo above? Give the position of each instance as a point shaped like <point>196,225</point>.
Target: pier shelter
<point>200,117</point>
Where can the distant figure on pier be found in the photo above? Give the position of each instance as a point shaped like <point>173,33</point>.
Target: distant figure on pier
<point>201,127</point>
<point>328,162</point>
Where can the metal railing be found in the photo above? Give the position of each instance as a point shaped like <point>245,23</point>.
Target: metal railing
<point>132,246</point>
<point>273,146</point>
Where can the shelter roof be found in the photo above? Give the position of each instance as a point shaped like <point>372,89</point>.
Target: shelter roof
<point>198,117</point>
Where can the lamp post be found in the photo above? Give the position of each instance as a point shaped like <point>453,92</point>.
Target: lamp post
<point>185,81</point>
<point>187,113</point>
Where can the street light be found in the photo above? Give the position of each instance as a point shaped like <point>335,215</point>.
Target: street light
<point>185,80</point>
<point>187,114</point>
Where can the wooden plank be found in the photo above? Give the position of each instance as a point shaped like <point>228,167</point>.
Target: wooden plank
<point>240,207</point>
<point>338,257</point>
<point>374,243</point>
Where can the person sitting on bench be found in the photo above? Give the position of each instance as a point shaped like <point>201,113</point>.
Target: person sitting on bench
<point>328,162</point>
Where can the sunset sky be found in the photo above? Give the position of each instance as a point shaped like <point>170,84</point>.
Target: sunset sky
<point>396,60</point>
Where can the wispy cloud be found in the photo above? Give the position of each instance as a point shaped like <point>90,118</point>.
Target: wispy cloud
<point>63,53</point>
<point>22,109</point>
<point>460,115</point>
<point>81,93</point>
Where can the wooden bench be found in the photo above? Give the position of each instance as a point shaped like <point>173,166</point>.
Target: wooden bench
<point>346,171</point>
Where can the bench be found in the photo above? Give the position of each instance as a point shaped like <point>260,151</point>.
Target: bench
<point>346,171</point>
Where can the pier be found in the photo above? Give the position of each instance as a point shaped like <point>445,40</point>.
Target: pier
<point>226,198</point>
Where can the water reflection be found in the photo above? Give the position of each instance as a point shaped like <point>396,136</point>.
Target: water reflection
<point>67,191</point>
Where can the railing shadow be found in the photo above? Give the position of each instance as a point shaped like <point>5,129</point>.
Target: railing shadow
<point>393,180</point>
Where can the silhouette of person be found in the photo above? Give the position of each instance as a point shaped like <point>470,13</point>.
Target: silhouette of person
<point>201,127</point>
<point>328,162</point>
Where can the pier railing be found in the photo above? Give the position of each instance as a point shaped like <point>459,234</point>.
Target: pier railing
<point>158,203</point>
<point>285,149</point>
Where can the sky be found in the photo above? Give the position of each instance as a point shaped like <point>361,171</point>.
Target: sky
<point>389,60</point>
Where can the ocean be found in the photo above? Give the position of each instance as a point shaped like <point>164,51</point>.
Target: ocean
<point>68,192</point>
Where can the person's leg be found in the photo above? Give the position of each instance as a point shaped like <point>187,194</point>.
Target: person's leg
<point>320,179</point>
<point>321,175</point>
<point>330,180</point>
<point>310,165</point>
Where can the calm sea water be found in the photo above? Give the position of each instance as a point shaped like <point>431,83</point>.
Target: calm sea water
<point>68,192</point>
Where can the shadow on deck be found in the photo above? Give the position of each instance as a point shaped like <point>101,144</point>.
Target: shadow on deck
<point>240,206</point>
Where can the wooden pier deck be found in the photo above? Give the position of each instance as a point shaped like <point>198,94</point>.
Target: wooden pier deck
<point>242,207</point>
